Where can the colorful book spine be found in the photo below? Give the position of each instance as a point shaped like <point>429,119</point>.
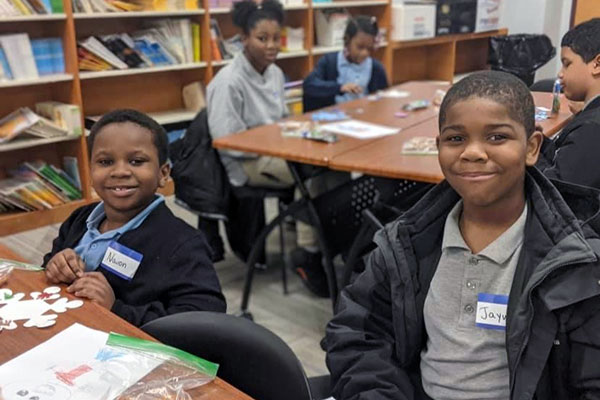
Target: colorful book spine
<point>5,66</point>
<point>196,42</point>
<point>57,6</point>
<point>57,55</point>
<point>42,56</point>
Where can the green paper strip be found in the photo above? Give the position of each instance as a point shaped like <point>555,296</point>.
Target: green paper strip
<point>19,265</point>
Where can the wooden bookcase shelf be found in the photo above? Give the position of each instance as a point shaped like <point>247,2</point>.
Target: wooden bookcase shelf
<point>157,90</point>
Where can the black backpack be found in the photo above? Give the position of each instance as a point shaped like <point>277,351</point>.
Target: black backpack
<point>200,178</point>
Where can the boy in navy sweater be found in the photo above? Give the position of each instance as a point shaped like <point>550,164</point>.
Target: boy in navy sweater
<point>129,253</point>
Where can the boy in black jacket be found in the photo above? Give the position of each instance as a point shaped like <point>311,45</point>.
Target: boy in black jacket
<point>573,155</point>
<point>488,288</point>
<point>129,253</point>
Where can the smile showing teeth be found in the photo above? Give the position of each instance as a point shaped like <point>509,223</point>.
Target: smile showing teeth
<point>122,190</point>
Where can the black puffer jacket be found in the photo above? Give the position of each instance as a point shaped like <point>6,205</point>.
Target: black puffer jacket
<point>553,327</point>
<point>573,156</point>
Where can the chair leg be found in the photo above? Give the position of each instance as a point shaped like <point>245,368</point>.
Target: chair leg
<point>282,249</point>
<point>257,248</point>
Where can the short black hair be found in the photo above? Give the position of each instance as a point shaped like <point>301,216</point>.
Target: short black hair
<point>501,87</point>
<point>159,135</point>
<point>584,39</point>
<point>246,13</point>
<point>361,23</point>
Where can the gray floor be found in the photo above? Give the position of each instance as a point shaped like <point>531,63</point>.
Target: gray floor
<point>298,318</point>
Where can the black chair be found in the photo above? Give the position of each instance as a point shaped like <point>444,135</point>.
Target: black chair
<point>543,85</point>
<point>250,357</point>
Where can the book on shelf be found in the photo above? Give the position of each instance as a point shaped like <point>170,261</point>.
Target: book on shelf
<point>67,116</point>
<point>164,42</point>
<point>292,39</point>
<point>15,8</point>
<point>219,51</point>
<point>36,186</point>
<point>24,122</point>
<point>96,6</point>
<point>22,58</point>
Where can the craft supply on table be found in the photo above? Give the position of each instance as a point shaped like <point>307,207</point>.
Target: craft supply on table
<point>420,145</point>
<point>416,105</point>
<point>307,130</point>
<point>359,129</point>
<point>329,115</point>
<point>80,363</point>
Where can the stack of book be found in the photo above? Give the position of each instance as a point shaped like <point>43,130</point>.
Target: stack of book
<point>59,120</point>
<point>21,58</point>
<point>293,96</point>
<point>101,6</point>
<point>15,8</point>
<point>38,186</point>
<point>166,42</point>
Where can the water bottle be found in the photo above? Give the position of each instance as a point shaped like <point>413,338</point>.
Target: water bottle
<point>555,98</point>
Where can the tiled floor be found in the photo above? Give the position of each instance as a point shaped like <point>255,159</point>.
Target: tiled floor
<point>298,318</point>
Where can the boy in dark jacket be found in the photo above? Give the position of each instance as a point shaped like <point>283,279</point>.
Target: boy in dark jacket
<point>573,155</point>
<point>488,288</point>
<point>129,253</point>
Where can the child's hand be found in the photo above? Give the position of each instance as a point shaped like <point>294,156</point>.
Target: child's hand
<point>351,88</point>
<point>65,267</point>
<point>95,287</point>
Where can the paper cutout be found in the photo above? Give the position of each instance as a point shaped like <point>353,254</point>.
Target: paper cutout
<point>14,308</point>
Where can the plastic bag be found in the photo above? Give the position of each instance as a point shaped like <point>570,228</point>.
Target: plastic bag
<point>5,271</point>
<point>174,372</point>
<point>521,54</point>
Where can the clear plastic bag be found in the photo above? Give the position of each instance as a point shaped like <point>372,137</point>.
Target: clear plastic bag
<point>173,371</point>
<point>5,271</point>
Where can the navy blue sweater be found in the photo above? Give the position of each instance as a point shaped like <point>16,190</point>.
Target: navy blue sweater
<point>320,87</point>
<point>175,274</point>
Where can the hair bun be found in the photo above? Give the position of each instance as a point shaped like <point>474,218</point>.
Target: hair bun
<point>241,12</point>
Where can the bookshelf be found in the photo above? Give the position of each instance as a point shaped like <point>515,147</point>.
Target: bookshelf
<point>157,90</point>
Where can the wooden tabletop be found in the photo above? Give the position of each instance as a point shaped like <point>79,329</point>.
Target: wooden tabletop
<point>267,139</point>
<point>384,158</point>
<point>18,341</point>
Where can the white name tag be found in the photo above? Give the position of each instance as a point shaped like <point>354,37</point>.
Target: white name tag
<point>491,311</point>
<point>121,260</point>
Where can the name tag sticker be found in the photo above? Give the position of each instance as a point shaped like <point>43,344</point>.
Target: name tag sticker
<point>491,311</point>
<point>121,260</point>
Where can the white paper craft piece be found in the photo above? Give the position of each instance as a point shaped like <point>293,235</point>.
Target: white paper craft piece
<point>359,129</point>
<point>73,365</point>
<point>14,308</point>
<point>394,94</point>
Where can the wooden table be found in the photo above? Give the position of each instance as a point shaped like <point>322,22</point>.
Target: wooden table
<point>20,340</point>
<point>384,158</point>
<point>267,139</point>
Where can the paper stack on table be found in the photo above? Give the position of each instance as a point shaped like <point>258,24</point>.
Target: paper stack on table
<point>359,129</point>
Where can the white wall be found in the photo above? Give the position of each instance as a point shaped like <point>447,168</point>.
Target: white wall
<point>550,17</point>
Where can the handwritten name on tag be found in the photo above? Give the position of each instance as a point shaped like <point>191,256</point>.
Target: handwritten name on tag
<point>121,260</point>
<point>491,311</point>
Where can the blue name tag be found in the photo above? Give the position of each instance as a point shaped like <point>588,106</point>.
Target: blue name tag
<point>121,260</point>
<point>491,311</point>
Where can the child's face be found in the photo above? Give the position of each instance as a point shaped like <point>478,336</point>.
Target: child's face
<point>125,168</point>
<point>576,75</point>
<point>263,43</point>
<point>360,47</point>
<point>483,152</point>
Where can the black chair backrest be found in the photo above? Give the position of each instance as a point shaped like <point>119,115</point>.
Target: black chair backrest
<point>250,357</point>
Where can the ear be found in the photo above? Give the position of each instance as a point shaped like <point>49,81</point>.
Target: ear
<point>534,144</point>
<point>595,66</point>
<point>244,38</point>
<point>164,172</point>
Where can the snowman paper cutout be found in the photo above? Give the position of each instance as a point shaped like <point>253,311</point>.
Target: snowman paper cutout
<point>13,308</point>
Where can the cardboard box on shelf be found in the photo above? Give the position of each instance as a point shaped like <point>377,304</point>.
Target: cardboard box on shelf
<point>488,15</point>
<point>330,26</point>
<point>413,20</point>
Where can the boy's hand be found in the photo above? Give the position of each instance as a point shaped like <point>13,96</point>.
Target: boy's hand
<point>65,267</point>
<point>351,88</point>
<point>95,287</point>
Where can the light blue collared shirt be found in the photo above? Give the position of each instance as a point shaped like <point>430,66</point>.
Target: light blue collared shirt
<point>349,72</point>
<point>93,244</point>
